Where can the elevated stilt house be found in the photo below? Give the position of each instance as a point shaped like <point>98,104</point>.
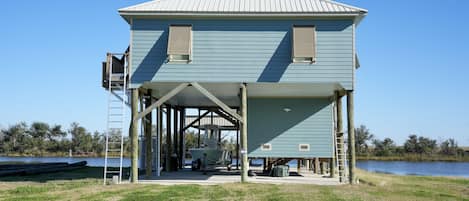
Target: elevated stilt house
<point>276,69</point>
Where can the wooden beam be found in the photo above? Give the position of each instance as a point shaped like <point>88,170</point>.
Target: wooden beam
<point>228,118</point>
<point>134,136</point>
<point>216,101</point>
<point>351,137</point>
<point>142,90</point>
<point>196,121</point>
<point>162,100</point>
<point>244,134</point>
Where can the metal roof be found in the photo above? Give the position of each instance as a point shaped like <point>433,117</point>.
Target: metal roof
<point>242,7</point>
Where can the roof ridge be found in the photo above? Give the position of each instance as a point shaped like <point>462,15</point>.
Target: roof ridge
<point>344,5</point>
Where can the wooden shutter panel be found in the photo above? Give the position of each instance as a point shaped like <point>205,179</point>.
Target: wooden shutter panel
<point>180,40</point>
<point>304,41</point>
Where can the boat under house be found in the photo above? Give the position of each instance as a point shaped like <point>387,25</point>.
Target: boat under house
<point>265,76</point>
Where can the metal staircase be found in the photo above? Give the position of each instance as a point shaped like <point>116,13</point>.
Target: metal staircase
<point>115,80</point>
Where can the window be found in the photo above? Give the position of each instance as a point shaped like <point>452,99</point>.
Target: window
<point>303,147</point>
<point>304,44</point>
<point>180,43</point>
<point>266,147</point>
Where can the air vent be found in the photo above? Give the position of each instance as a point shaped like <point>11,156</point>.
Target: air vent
<point>303,147</point>
<point>266,147</point>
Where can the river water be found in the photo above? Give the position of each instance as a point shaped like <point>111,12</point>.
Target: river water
<point>457,169</point>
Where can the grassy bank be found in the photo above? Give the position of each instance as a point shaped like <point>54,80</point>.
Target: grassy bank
<point>85,184</point>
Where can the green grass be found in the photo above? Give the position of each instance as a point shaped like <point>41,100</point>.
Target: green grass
<point>85,184</point>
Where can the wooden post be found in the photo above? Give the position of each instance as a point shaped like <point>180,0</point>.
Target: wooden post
<point>264,164</point>
<point>307,165</point>
<point>160,132</point>
<point>175,133</point>
<point>168,139</point>
<point>211,118</point>
<point>340,136</point>
<point>198,129</point>
<point>316,165</point>
<point>134,136</point>
<point>322,167</point>
<point>333,159</point>
<point>298,166</point>
<point>237,147</point>
<point>332,167</point>
<point>148,137</point>
<point>351,137</point>
<point>182,116</point>
<point>244,135</point>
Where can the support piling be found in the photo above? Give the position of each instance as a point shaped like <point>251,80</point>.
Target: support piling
<point>351,137</point>
<point>134,136</point>
<point>148,137</point>
<point>244,135</point>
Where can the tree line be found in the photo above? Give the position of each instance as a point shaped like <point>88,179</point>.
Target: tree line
<point>43,139</point>
<point>40,138</point>
<point>367,145</point>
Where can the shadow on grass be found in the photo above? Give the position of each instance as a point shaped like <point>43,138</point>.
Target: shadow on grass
<point>81,173</point>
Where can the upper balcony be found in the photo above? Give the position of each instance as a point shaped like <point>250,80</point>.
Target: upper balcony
<point>115,70</point>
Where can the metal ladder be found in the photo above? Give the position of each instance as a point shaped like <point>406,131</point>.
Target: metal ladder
<point>340,152</point>
<point>117,101</point>
<point>341,155</point>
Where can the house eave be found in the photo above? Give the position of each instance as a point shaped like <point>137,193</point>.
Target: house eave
<point>129,14</point>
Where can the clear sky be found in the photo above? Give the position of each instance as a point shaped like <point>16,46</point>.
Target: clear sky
<point>413,78</point>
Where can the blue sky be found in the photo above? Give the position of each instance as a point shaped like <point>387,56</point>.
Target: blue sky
<point>413,79</point>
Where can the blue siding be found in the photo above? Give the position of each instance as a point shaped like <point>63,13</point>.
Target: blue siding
<point>309,121</point>
<point>242,51</point>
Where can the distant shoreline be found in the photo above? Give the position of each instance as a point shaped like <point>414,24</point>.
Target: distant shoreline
<point>409,158</point>
<point>415,158</point>
<point>53,155</point>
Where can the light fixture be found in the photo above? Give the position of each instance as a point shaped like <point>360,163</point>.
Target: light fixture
<point>286,109</point>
